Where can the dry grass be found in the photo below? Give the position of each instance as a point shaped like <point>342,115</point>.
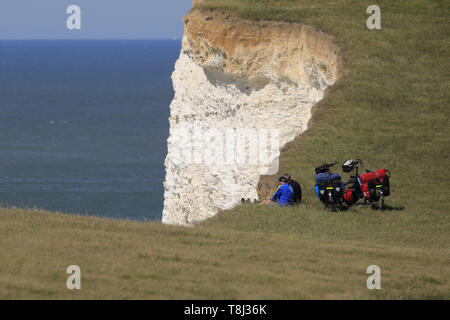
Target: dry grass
<point>132,260</point>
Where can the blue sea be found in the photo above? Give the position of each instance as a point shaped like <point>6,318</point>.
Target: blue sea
<point>84,125</point>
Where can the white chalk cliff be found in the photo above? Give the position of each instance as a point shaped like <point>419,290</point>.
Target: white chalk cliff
<point>243,75</point>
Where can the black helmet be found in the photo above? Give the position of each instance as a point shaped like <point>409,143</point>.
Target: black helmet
<point>282,179</point>
<point>287,176</point>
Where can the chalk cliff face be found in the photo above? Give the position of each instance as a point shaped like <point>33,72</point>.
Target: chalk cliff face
<point>238,79</point>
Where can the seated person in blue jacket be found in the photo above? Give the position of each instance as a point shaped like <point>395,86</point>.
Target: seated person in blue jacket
<point>283,194</point>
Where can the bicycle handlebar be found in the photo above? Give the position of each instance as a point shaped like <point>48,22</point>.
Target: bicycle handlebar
<point>325,167</point>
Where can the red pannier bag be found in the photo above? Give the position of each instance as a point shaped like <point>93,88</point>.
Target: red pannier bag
<point>350,196</point>
<point>380,176</point>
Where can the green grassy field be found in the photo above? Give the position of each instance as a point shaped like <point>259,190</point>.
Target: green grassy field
<point>391,109</point>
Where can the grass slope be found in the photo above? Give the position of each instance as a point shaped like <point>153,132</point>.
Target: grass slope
<point>126,260</point>
<point>390,109</point>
